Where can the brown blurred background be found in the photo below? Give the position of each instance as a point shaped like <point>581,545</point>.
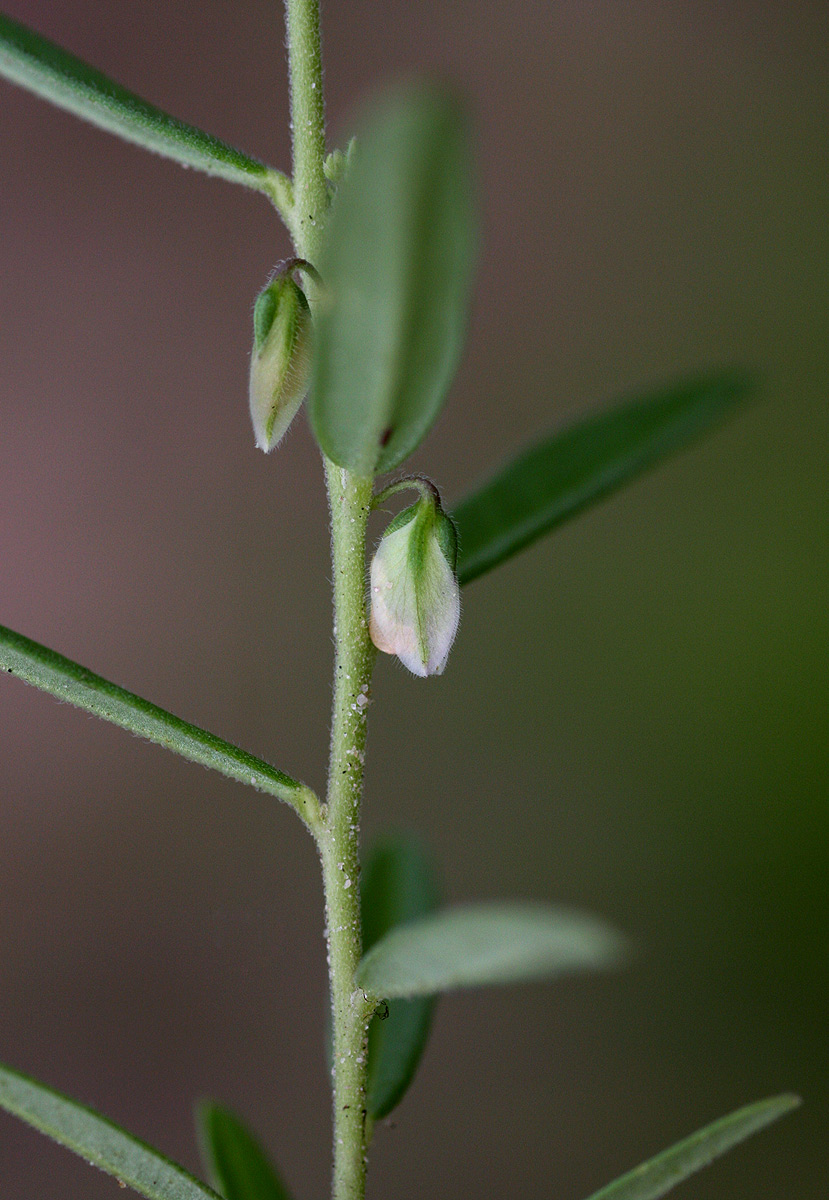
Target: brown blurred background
<point>634,715</point>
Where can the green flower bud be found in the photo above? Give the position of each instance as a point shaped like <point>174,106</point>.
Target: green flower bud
<point>415,599</point>
<point>281,360</point>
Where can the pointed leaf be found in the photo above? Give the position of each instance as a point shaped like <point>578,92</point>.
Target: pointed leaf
<point>398,885</point>
<point>659,1175</point>
<point>396,270</point>
<point>69,681</point>
<point>47,69</point>
<point>97,1140</point>
<point>563,474</point>
<point>483,944</point>
<point>239,1168</point>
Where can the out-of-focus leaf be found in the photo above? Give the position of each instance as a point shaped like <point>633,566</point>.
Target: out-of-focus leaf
<point>398,885</point>
<point>659,1175</point>
<point>396,270</point>
<point>474,945</point>
<point>97,1140</point>
<point>561,475</point>
<point>239,1168</point>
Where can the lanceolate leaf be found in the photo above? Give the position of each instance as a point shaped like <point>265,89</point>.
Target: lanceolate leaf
<point>660,1175</point>
<point>239,1168</point>
<point>563,474</point>
<point>396,271</point>
<point>97,1140</point>
<point>39,65</point>
<point>398,885</point>
<point>484,944</point>
<point>76,685</point>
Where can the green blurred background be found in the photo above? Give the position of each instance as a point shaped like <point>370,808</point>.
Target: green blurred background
<point>634,715</point>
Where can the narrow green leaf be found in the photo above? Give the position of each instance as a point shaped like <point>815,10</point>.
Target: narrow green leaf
<point>42,67</point>
<point>396,268</point>
<point>69,681</point>
<point>97,1140</point>
<point>659,1175</point>
<point>398,884</point>
<point>563,474</point>
<point>484,944</point>
<point>238,1166</point>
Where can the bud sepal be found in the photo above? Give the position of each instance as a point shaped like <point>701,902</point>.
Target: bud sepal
<point>415,598</point>
<point>280,365</point>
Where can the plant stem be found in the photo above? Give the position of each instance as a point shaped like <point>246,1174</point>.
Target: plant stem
<point>349,499</point>
<point>415,483</point>
<point>310,191</point>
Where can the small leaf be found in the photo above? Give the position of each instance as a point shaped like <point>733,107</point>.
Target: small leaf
<point>396,268</point>
<point>565,473</point>
<point>483,944</point>
<point>97,1140</point>
<point>660,1175</point>
<point>51,672</point>
<point>398,885</point>
<point>239,1168</point>
<point>334,166</point>
<point>47,69</point>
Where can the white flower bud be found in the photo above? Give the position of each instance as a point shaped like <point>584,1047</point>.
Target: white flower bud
<point>281,360</point>
<point>415,599</point>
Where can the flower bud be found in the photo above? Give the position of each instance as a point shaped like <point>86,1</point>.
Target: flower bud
<point>415,599</point>
<point>281,359</point>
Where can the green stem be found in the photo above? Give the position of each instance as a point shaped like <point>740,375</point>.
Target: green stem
<point>416,483</point>
<point>310,190</point>
<point>280,191</point>
<point>349,499</point>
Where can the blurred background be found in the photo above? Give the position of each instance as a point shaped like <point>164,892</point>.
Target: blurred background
<point>634,716</point>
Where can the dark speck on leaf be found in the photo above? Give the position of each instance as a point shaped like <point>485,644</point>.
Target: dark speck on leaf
<point>384,438</point>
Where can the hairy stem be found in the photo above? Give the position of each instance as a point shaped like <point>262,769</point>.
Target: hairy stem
<point>349,500</point>
<point>310,191</point>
